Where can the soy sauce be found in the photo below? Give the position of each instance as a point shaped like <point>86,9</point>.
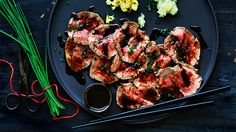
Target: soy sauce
<point>186,78</point>
<point>110,30</point>
<point>123,20</point>
<point>198,30</point>
<point>81,78</point>
<point>66,33</point>
<point>74,16</point>
<point>156,32</point>
<point>78,75</point>
<point>61,40</point>
<point>91,8</point>
<point>97,97</point>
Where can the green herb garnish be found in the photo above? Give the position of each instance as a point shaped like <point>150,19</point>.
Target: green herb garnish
<point>14,15</point>
<point>80,27</point>
<point>99,40</point>
<point>165,32</point>
<point>151,62</point>
<point>105,69</point>
<point>148,70</point>
<point>88,24</point>
<point>94,46</point>
<point>172,72</point>
<point>131,49</point>
<point>153,55</point>
<point>85,53</point>
<point>172,42</point>
<point>149,55</point>
<point>164,75</point>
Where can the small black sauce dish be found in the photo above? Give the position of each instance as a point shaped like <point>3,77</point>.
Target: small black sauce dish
<point>97,97</point>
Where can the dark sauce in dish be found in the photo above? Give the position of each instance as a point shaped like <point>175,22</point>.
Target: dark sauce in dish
<point>97,97</point>
<point>198,30</point>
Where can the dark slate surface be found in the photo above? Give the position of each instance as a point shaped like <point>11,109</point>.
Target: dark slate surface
<point>220,117</point>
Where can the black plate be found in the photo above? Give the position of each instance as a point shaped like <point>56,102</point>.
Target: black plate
<point>195,12</point>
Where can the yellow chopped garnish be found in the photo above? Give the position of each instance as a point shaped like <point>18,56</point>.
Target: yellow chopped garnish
<point>125,5</point>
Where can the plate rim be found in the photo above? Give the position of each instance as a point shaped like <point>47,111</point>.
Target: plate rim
<point>166,115</point>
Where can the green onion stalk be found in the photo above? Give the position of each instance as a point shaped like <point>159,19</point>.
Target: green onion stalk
<point>14,15</point>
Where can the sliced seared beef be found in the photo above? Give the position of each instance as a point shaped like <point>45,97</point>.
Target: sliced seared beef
<point>146,79</point>
<point>149,93</point>
<point>101,40</point>
<point>127,71</point>
<point>100,71</point>
<point>182,46</point>
<point>78,57</point>
<point>81,24</point>
<point>156,56</point>
<point>181,80</point>
<point>130,41</point>
<point>127,97</point>
<point>192,80</point>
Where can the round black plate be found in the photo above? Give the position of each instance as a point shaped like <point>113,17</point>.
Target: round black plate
<point>191,12</point>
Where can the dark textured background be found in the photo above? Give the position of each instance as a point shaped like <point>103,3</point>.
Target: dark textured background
<point>220,117</point>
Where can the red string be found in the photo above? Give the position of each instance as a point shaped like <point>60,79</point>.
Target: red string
<point>40,94</point>
<point>58,95</point>
<point>11,77</point>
